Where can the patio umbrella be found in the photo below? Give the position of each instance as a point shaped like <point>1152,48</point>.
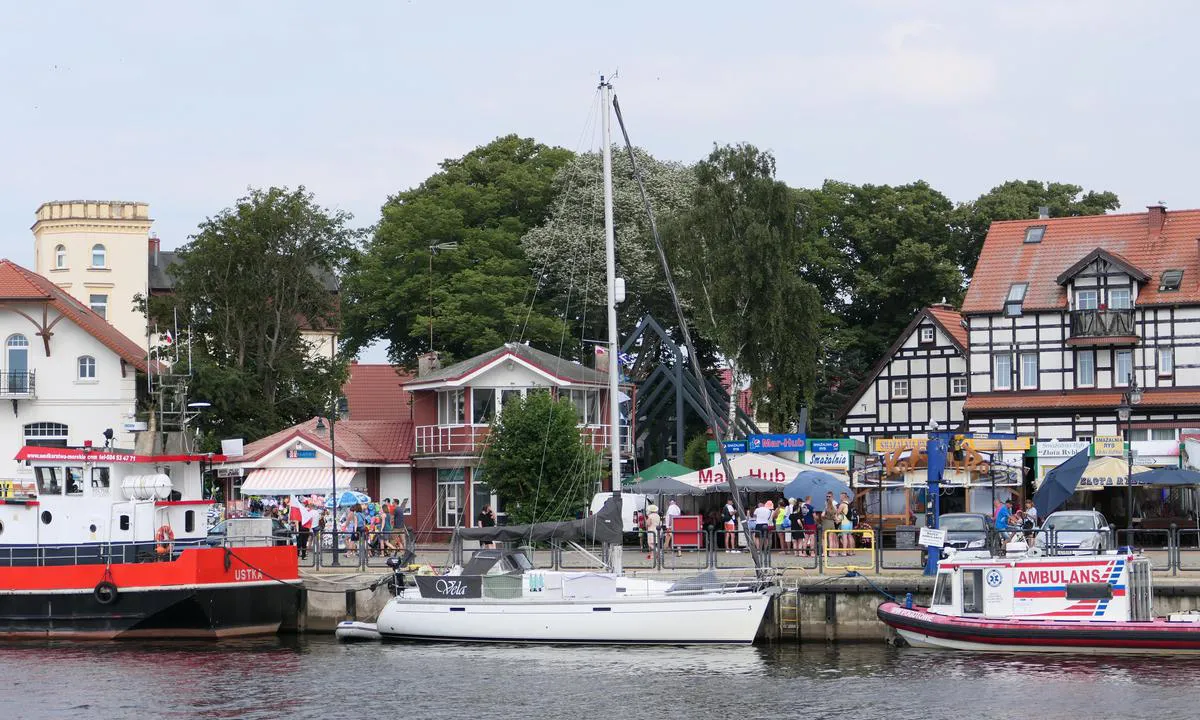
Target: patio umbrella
<point>1060,483</point>
<point>1165,476</point>
<point>816,484</point>
<point>663,485</point>
<point>348,498</point>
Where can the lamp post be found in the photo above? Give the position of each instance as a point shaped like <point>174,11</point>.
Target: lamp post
<point>433,248</point>
<point>1132,397</point>
<point>320,427</point>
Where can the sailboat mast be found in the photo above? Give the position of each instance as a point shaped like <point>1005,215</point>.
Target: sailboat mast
<point>610,252</point>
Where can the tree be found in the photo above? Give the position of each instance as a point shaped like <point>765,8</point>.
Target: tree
<point>1017,200</point>
<point>569,246</point>
<point>478,291</point>
<point>537,460</point>
<point>741,257</point>
<point>695,454</point>
<point>247,284</point>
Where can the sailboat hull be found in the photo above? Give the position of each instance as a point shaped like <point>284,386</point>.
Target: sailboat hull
<point>729,618</point>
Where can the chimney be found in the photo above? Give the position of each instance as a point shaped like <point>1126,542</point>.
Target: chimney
<point>427,363</point>
<point>154,246</point>
<point>1043,212</point>
<point>1157,217</point>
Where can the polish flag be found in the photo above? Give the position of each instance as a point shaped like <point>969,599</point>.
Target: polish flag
<point>298,513</point>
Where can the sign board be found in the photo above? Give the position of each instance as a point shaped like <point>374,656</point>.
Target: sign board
<point>302,454</point>
<point>229,472</point>
<point>824,446</point>
<point>459,587</point>
<point>1062,450</point>
<point>932,538</point>
<point>775,443</point>
<point>734,447</point>
<point>1106,446</point>
<point>833,460</point>
<point>134,426</point>
<point>994,444</point>
<point>892,444</point>
<point>1156,453</point>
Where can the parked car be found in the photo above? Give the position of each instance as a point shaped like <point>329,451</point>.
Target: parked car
<point>280,532</point>
<point>969,531</point>
<point>1075,532</point>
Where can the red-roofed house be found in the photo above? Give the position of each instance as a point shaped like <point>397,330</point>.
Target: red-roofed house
<point>453,408</point>
<point>1065,313</point>
<point>921,378</point>
<point>68,374</point>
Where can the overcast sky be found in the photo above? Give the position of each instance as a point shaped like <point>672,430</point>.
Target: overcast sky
<point>184,105</point>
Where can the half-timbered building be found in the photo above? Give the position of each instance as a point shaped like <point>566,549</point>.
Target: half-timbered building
<point>1065,314</point>
<point>922,378</point>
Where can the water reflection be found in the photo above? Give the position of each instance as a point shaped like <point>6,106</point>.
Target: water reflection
<point>288,677</point>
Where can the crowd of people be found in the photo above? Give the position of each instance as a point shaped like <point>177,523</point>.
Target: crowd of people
<point>1012,522</point>
<point>380,526</point>
<point>789,525</point>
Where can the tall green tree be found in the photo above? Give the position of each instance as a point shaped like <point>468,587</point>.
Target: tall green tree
<point>741,258</point>
<point>247,284</point>
<point>537,460</point>
<point>1017,200</point>
<point>478,291</point>
<point>569,246</point>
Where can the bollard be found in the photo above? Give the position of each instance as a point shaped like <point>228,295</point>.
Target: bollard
<point>908,600</point>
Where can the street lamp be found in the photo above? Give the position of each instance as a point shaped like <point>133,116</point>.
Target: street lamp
<point>320,427</point>
<point>451,245</point>
<point>1132,397</point>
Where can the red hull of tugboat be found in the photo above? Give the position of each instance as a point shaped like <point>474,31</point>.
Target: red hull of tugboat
<point>203,593</point>
<point>920,627</point>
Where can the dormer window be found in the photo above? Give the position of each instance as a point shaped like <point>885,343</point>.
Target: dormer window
<point>1034,234</point>
<point>1015,299</point>
<point>1119,299</point>
<point>1087,299</point>
<point>1170,280</point>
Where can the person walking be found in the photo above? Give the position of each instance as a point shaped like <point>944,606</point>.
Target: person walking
<point>828,525</point>
<point>653,522</point>
<point>796,522</point>
<point>486,519</point>
<point>730,517</point>
<point>845,524</point>
<point>808,519</point>
<point>673,512</point>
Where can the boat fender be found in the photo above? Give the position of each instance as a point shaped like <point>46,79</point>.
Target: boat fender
<point>228,558</point>
<point>105,592</point>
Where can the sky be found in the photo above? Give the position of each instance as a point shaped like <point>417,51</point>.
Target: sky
<point>186,105</point>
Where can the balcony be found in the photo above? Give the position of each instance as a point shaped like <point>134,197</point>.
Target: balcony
<point>17,385</point>
<point>1102,327</point>
<point>469,440</point>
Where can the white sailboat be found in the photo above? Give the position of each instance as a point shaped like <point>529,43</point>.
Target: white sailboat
<point>499,597</point>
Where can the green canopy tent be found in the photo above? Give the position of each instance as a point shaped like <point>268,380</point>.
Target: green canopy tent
<point>666,468</point>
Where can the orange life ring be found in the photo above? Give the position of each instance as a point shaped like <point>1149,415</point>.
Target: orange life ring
<point>163,536</point>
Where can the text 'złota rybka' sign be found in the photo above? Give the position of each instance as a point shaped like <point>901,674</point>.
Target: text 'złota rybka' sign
<point>775,443</point>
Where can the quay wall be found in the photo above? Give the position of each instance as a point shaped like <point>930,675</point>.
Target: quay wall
<point>811,609</point>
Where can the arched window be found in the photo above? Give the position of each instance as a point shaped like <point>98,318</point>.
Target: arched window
<point>60,257</point>
<point>16,374</point>
<point>87,367</point>
<point>99,256</point>
<point>46,434</point>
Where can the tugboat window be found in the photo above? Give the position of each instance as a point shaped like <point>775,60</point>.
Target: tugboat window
<point>46,517</point>
<point>124,522</point>
<point>49,480</point>
<point>942,589</point>
<point>189,521</point>
<point>74,480</point>
<point>100,481</point>
<point>972,591</point>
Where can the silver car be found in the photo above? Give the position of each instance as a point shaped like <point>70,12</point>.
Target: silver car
<point>1075,532</point>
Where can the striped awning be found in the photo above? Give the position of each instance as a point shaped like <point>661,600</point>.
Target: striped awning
<point>288,481</point>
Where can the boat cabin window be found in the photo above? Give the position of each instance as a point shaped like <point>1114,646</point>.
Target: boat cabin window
<point>189,521</point>
<point>124,522</point>
<point>942,589</point>
<point>74,476</point>
<point>1089,591</point>
<point>972,591</point>
<point>520,561</point>
<point>49,480</point>
<point>100,481</point>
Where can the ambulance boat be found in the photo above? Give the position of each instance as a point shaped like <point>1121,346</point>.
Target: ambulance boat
<point>1079,604</point>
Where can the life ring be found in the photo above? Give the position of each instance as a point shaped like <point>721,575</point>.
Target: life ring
<point>105,592</point>
<point>164,536</point>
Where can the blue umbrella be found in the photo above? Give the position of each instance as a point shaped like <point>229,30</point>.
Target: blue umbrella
<point>1059,484</point>
<point>816,484</point>
<point>1167,476</point>
<point>348,498</point>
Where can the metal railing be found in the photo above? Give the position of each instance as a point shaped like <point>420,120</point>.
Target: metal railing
<point>17,385</point>
<point>471,439</point>
<point>1102,323</point>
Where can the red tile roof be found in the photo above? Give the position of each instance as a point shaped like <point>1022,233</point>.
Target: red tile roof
<point>21,285</point>
<point>951,323</point>
<point>1076,399</point>
<point>359,441</point>
<point>376,392</point>
<point>1006,257</point>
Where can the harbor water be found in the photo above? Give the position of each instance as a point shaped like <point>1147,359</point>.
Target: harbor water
<point>292,677</point>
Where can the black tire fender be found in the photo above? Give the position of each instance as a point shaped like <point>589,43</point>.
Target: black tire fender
<point>105,592</point>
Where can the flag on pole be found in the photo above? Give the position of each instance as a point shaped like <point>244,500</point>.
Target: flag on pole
<point>167,338</point>
<point>601,350</point>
